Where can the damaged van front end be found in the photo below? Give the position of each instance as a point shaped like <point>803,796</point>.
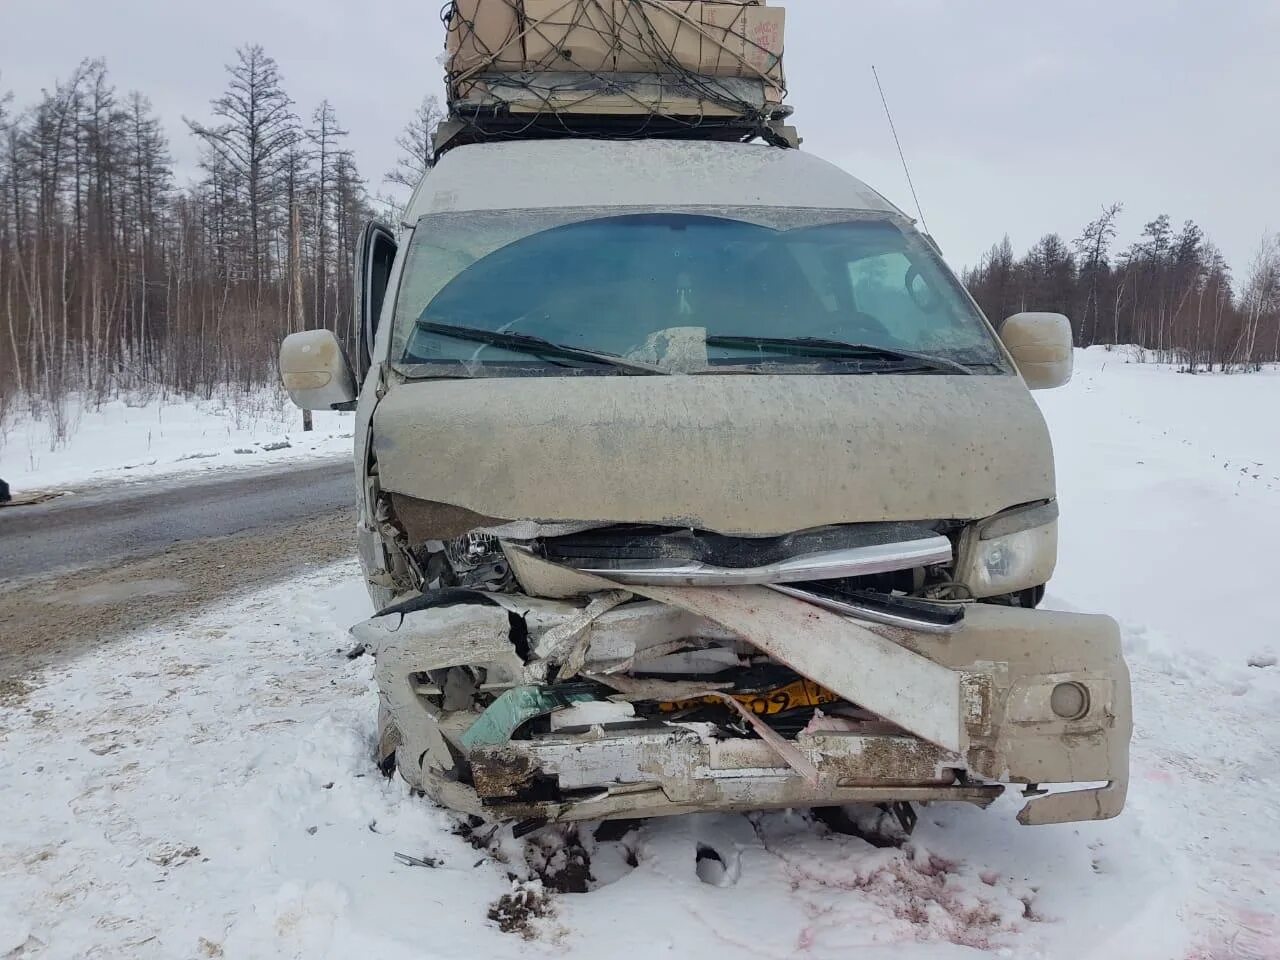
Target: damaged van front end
<point>644,701</point>
<point>708,491</point>
<point>820,648</point>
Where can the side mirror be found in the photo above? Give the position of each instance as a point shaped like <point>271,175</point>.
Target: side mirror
<point>1041,347</point>
<point>315,371</point>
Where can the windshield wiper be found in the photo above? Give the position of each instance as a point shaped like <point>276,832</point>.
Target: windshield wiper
<point>819,347</point>
<point>537,346</point>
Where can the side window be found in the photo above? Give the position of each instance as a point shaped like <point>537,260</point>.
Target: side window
<point>377,253</point>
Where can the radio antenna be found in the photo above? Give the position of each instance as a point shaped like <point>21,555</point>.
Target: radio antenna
<point>898,144</point>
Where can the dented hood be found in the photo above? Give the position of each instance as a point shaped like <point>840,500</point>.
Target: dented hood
<point>747,455</point>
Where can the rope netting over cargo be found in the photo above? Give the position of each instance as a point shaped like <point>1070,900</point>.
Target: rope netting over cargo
<point>615,68</point>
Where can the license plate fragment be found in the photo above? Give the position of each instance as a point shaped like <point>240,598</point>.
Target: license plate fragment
<point>795,695</point>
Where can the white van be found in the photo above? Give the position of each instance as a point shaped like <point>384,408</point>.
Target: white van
<point>690,478</point>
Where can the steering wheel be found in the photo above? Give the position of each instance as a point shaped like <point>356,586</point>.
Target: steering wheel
<point>921,294</point>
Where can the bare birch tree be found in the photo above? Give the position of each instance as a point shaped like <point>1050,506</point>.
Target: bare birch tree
<point>1260,300</point>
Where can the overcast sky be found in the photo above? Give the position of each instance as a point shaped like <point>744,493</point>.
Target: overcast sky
<point>1019,117</point>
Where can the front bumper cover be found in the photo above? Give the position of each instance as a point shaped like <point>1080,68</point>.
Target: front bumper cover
<point>1003,665</point>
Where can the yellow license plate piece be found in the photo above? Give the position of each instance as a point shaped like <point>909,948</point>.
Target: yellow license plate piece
<point>763,703</point>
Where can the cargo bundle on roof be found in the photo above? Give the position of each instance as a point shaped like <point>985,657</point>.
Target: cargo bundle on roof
<point>615,68</point>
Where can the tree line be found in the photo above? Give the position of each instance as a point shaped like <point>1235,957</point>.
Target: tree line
<point>113,276</point>
<point>1169,291</point>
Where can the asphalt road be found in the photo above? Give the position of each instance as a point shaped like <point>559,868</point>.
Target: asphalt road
<point>83,570</point>
<point>142,519</point>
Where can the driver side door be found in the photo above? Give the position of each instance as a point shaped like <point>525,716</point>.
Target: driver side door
<point>375,257</point>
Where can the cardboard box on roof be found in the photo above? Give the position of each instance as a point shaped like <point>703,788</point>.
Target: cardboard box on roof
<point>649,32</point>
<point>484,35</point>
<point>763,32</point>
<point>717,38</point>
<point>735,38</point>
<point>723,44</point>
<point>570,34</point>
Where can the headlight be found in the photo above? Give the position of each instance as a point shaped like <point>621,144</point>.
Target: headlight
<point>1012,551</point>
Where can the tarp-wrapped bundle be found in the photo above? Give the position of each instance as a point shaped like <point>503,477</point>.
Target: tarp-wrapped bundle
<point>615,67</point>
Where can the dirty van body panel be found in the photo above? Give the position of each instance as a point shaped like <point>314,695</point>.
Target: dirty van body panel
<point>752,455</point>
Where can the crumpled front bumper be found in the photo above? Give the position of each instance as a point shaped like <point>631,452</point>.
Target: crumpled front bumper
<point>657,773</point>
<point>987,719</point>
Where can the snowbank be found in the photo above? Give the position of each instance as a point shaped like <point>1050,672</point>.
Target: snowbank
<point>130,437</point>
<point>206,790</point>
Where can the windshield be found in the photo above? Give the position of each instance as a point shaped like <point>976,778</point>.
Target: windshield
<point>689,290</point>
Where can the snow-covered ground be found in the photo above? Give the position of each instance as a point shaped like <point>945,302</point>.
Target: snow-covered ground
<point>206,790</point>
<point>132,437</point>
